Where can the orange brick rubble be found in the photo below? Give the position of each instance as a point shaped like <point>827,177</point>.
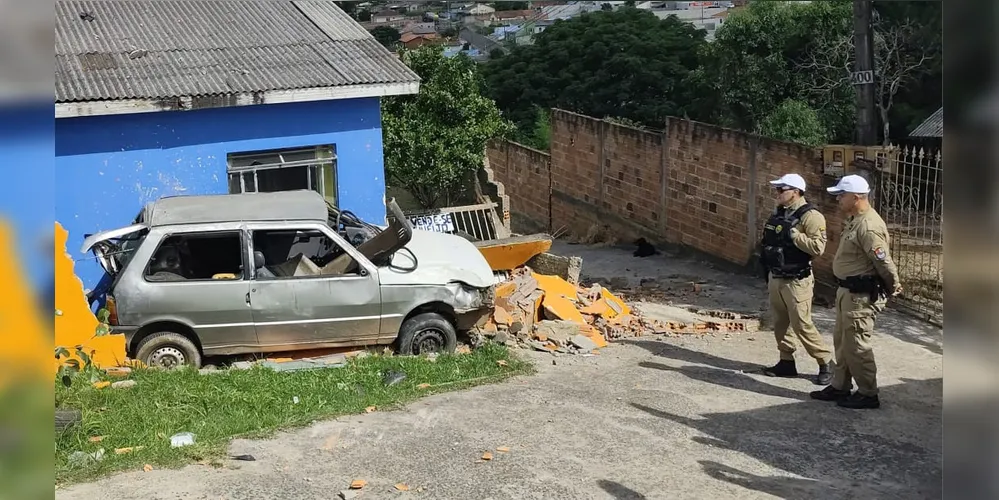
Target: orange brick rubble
<point>528,303</point>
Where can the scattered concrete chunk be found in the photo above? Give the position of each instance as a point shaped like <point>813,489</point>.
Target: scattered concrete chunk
<point>583,342</point>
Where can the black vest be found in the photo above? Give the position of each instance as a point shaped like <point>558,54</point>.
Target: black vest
<point>780,255</point>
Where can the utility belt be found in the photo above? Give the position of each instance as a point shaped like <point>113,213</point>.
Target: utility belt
<point>792,274</point>
<point>867,283</point>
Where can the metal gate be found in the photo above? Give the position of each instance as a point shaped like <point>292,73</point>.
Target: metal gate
<point>480,222</point>
<point>908,189</point>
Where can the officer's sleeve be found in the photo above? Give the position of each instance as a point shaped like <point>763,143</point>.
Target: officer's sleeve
<point>875,243</point>
<point>811,234</point>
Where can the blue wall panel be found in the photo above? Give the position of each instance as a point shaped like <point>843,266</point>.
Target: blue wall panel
<point>108,167</point>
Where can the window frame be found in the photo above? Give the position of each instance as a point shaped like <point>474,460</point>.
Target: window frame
<point>316,178</point>
<point>365,267</point>
<point>242,276</point>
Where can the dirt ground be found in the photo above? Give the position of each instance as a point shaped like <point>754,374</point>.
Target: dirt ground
<point>655,418</point>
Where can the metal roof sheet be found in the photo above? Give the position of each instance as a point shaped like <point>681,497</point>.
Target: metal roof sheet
<point>932,127</point>
<point>139,49</point>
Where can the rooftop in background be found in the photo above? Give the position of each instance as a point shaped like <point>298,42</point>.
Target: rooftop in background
<point>932,127</point>
<point>187,54</point>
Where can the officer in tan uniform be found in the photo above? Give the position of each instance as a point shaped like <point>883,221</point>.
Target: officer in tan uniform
<point>794,235</point>
<point>866,276</point>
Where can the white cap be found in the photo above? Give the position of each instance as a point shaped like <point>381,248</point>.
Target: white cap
<point>791,180</point>
<point>851,184</point>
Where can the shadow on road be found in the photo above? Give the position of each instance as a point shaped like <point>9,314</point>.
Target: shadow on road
<point>728,378</point>
<point>619,491</point>
<point>858,453</point>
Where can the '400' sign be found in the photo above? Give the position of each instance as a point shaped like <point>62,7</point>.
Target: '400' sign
<point>439,223</point>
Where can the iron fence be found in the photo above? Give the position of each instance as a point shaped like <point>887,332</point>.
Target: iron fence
<point>477,222</point>
<point>908,193</point>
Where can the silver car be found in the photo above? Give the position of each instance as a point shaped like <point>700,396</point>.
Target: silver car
<point>198,276</point>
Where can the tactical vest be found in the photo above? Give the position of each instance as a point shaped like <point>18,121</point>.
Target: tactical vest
<point>780,255</point>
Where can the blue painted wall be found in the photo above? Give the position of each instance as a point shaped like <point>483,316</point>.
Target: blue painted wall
<point>26,143</point>
<point>108,167</point>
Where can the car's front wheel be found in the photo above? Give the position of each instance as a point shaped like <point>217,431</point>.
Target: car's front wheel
<point>168,350</point>
<point>427,333</point>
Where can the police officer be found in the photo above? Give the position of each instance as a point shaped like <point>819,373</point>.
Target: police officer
<point>866,276</point>
<point>793,236</point>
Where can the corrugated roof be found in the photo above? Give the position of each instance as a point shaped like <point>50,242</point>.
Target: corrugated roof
<point>136,49</point>
<point>932,127</point>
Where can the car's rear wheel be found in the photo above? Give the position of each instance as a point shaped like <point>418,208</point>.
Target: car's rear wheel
<point>427,333</point>
<point>168,350</point>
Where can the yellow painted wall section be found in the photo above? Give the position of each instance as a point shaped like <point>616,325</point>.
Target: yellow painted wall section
<point>26,348</point>
<point>508,254</point>
<point>75,324</point>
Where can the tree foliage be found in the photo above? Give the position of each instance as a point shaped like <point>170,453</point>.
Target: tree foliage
<point>625,63</point>
<point>754,66</point>
<point>435,141</point>
<point>386,35</point>
<point>794,121</point>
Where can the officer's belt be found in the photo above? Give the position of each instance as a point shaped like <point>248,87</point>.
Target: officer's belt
<point>796,275</point>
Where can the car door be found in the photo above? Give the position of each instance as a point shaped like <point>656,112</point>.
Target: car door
<point>296,302</point>
<point>212,300</point>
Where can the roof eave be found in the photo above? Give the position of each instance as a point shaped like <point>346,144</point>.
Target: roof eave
<point>187,103</point>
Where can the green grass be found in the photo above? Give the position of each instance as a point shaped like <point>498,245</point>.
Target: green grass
<point>246,403</point>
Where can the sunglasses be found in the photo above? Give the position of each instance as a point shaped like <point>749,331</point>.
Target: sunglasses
<point>781,189</point>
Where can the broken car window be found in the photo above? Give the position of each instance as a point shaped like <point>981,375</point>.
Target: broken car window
<point>291,253</point>
<point>197,256</point>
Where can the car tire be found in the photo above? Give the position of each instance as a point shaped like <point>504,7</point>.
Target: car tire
<point>168,350</point>
<point>427,333</point>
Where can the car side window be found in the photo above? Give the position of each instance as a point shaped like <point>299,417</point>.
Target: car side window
<point>208,256</point>
<point>300,253</point>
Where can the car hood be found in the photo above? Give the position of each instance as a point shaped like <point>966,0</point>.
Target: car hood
<point>441,258</point>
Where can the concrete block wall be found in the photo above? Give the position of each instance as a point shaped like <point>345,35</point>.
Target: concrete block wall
<point>693,184</point>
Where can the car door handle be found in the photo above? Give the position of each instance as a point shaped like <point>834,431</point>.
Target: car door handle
<point>247,298</point>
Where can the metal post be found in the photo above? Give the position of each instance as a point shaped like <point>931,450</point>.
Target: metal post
<point>863,41</point>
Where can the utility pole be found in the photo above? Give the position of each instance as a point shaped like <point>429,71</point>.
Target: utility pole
<point>863,73</point>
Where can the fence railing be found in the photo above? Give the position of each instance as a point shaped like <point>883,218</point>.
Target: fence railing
<point>480,222</point>
<point>908,193</point>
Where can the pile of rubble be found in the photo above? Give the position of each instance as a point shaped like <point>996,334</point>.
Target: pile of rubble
<point>548,313</point>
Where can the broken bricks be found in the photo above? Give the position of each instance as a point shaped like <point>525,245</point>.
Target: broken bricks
<point>549,314</point>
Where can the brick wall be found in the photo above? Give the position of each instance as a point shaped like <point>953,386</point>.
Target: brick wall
<point>693,184</point>
<point>526,177</point>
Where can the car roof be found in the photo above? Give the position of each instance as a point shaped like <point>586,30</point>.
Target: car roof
<point>299,205</point>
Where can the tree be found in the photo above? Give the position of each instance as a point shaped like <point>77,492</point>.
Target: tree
<point>350,8</point>
<point>606,6</point>
<point>902,55</point>
<point>386,35</point>
<point>364,15</point>
<point>501,6</point>
<point>435,141</point>
<point>794,121</point>
<point>754,66</point>
<point>625,63</point>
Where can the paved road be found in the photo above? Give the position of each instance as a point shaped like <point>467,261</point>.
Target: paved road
<point>648,418</point>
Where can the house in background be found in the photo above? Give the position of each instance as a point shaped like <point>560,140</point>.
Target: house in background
<point>387,16</point>
<point>929,134</point>
<point>241,97</point>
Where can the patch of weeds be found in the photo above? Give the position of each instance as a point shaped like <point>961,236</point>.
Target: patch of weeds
<point>218,407</point>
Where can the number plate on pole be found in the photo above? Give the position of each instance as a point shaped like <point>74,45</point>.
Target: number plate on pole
<point>862,77</point>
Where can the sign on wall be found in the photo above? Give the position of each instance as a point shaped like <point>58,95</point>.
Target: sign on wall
<point>439,223</point>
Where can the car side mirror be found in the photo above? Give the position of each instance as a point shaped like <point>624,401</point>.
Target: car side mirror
<point>258,259</point>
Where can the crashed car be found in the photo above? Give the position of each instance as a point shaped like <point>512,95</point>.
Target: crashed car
<point>199,276</point>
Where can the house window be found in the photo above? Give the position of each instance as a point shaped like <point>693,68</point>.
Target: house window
<point>284,170</point>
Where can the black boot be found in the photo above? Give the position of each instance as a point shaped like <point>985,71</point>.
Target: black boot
<point>783,368</point>
<point>830,393</point>
<point>858,401</point>
<point>825,375</point>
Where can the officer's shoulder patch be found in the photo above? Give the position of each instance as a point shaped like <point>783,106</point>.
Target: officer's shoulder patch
<point>880,253</point>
